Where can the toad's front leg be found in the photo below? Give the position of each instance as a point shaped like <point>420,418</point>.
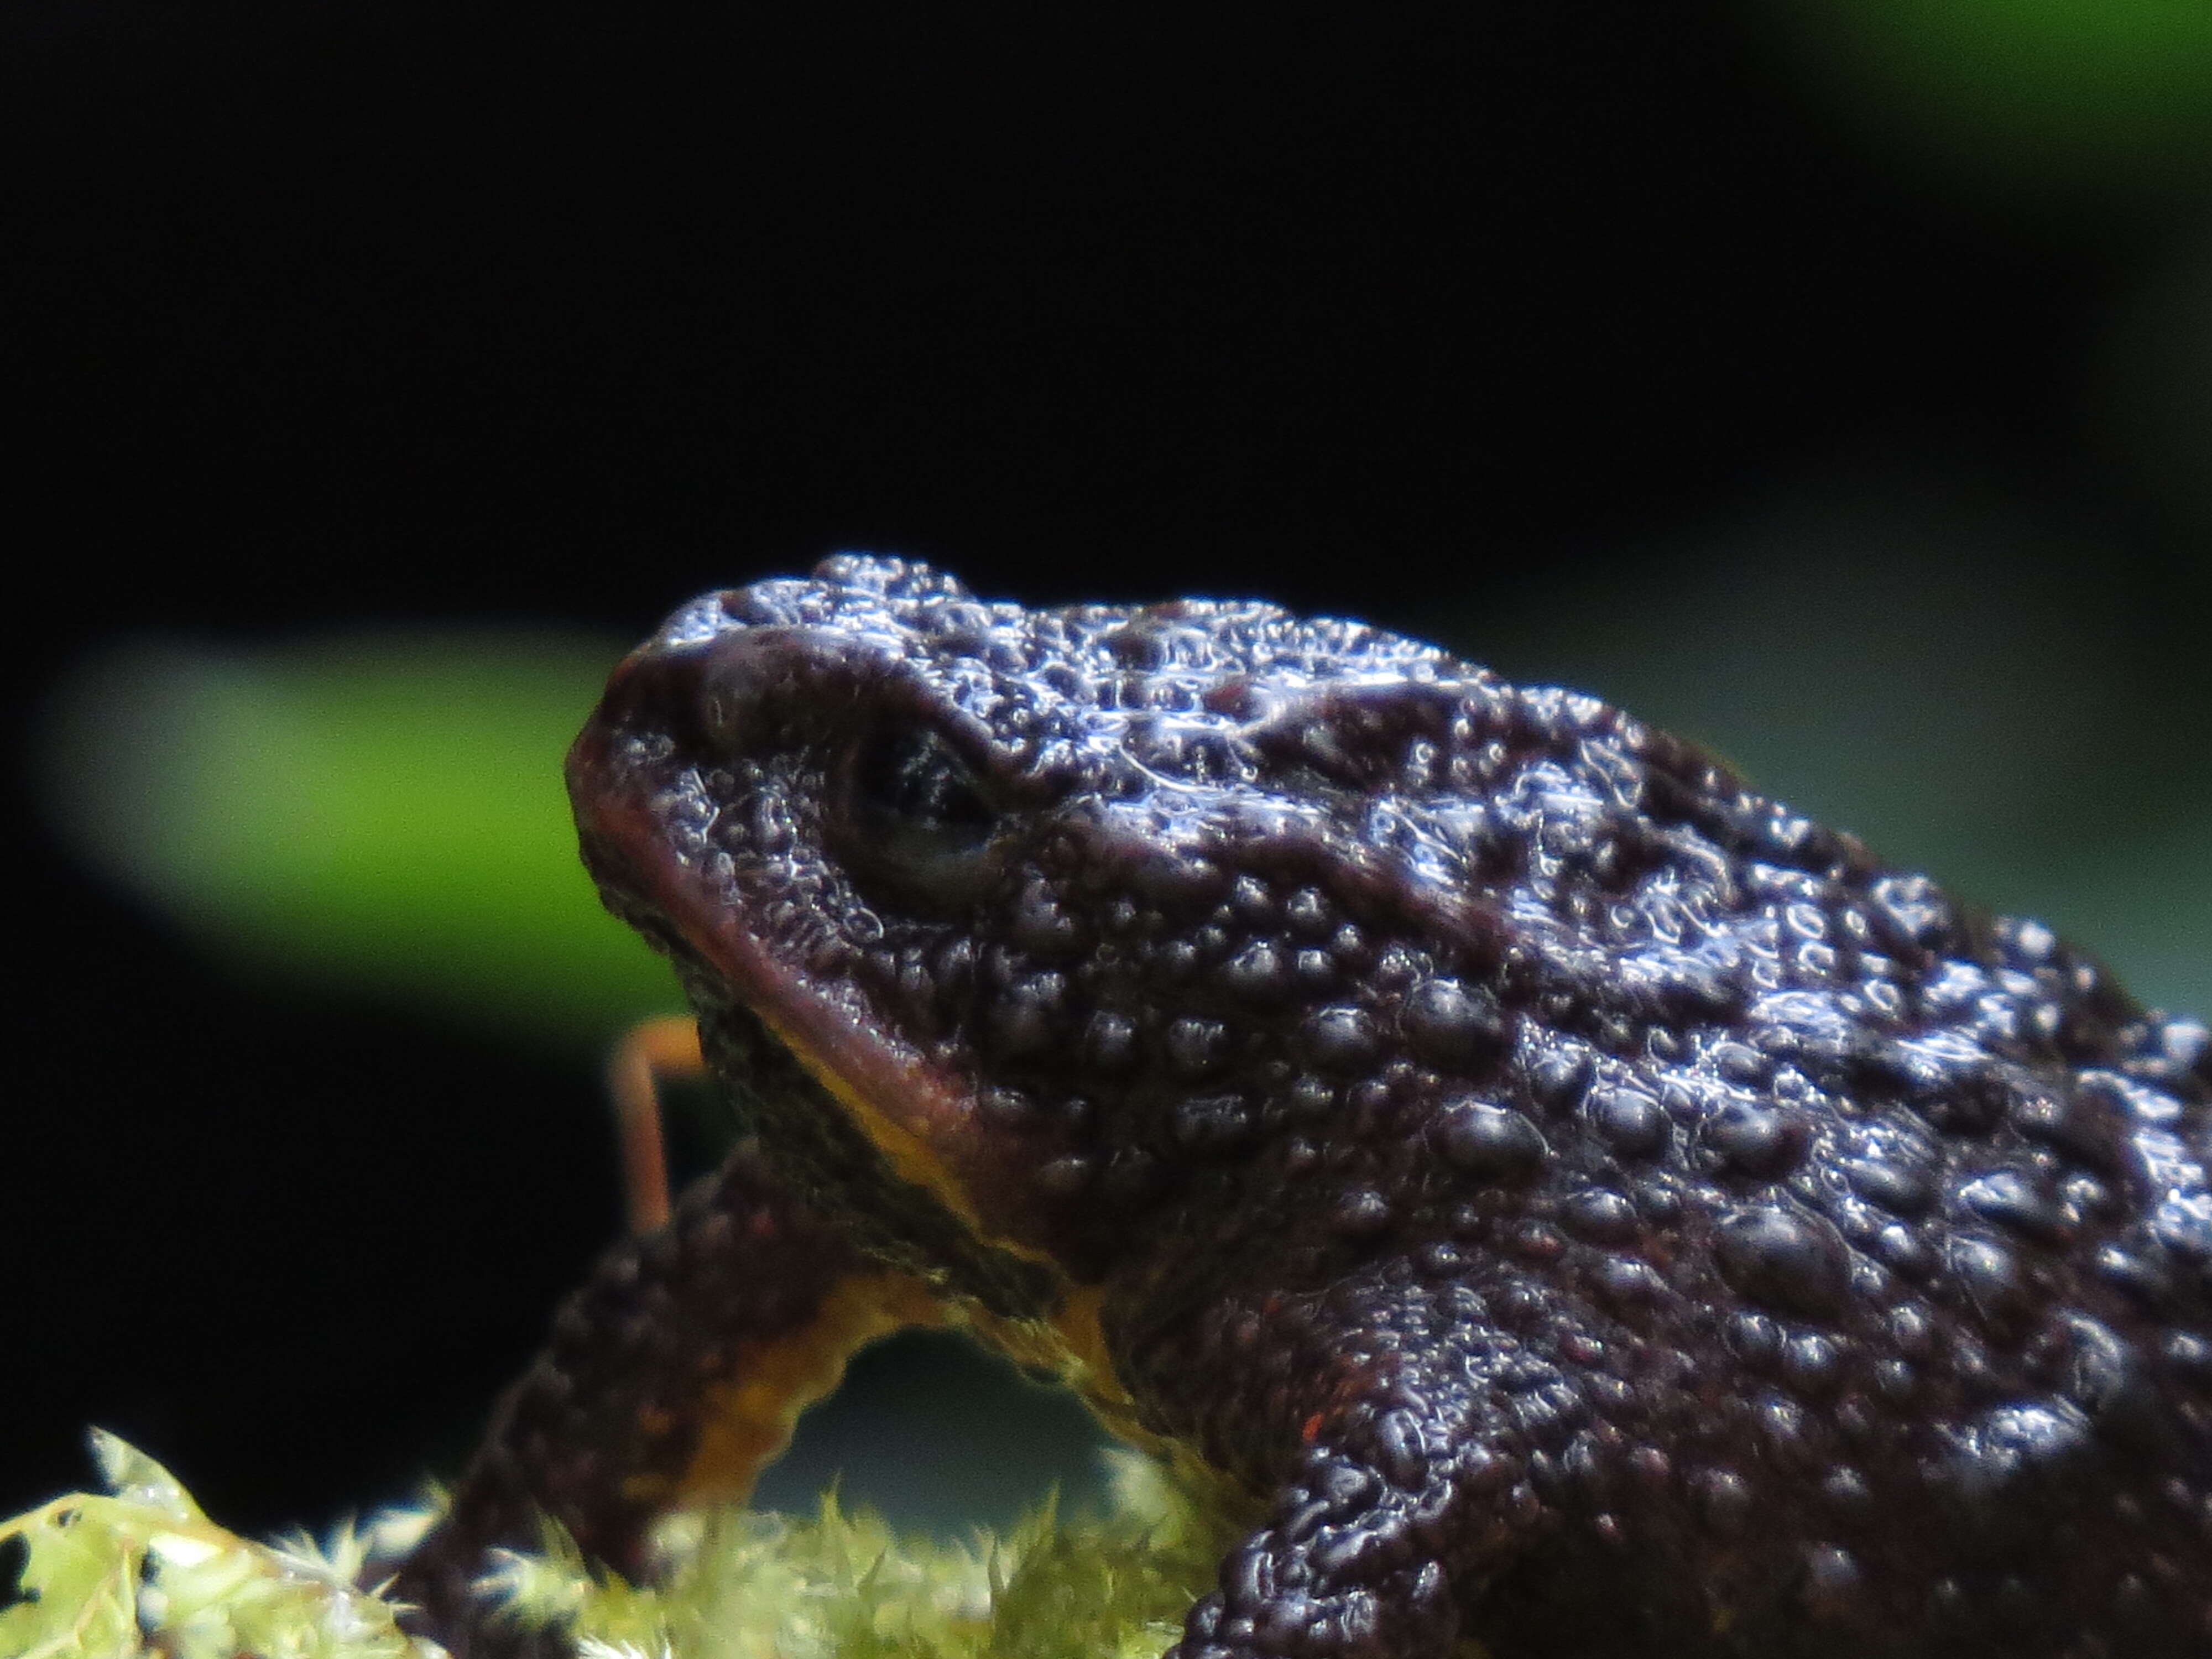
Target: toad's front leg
<point>672,1377</point>
<point>1404,1440</point>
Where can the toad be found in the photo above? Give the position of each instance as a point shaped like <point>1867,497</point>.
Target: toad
<point>1568,1199</point>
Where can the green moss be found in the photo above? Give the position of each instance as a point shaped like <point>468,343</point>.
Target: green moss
<point>141,1571</point>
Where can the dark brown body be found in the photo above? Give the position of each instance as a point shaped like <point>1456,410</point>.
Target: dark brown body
<point>1581,1204</point>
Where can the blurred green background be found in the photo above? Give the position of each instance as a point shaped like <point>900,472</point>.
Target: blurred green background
<point>1827,381</point>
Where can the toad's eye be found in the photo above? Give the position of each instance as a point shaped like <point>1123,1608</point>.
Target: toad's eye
<point>919,813</point>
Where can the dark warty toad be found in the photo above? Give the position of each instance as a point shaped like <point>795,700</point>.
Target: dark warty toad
<point>1572,1201</point>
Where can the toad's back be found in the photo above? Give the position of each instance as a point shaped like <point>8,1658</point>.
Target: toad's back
<point>1582,1203</point>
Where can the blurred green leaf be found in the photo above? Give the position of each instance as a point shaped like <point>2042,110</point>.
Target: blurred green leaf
<point>380,814</point>
<point>2097,93</point>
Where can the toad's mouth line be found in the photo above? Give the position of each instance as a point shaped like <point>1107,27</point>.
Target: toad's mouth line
<point>1065,1334</point>
<point>923,1121</point>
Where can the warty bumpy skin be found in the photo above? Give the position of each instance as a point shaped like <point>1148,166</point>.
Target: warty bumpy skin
<point>1577,1202</point>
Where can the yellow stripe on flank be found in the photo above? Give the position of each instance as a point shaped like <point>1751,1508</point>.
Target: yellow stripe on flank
<point>1070,1342</point>
<point>1076,1324</point>
<point>747,1421</point>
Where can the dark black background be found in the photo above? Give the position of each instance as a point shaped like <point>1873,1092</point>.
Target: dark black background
<point>340,312</point>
